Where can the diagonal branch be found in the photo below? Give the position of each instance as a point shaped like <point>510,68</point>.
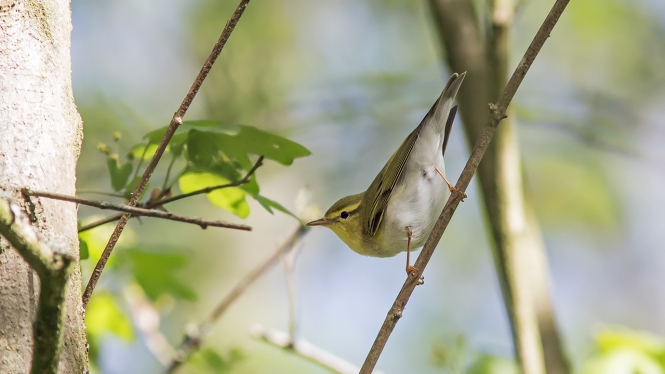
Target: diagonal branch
<point>53,269</point>
<point>173,126</point>
<point>158,202</point>
<point>498,112</point>
<point>193,340</point>
<point>203,223</point>
<point>305,349</point>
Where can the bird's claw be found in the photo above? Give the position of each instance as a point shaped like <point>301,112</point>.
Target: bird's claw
<point>410,269</point>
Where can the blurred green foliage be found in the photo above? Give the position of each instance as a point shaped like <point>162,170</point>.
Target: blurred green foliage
<point>104,317</point>
<point>613,58</point>
<point>620,350</point>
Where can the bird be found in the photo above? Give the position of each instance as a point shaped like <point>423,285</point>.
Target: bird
<point>399,209</point>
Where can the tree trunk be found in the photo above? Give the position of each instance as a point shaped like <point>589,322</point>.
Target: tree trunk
<point>519,251</point>
<point>40,138</point>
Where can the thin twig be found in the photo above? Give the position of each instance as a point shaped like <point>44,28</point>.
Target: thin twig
<point>168,174</point>
<point>498,113</point>
<point>193,340</point>
<point>158,202</point>
<point>173,126</point>
<point>203,223</point>
<point>305,349</point>
<point>138,167</point>
<point>53,269</point>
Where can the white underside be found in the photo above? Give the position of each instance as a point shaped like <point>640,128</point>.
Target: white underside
<point>420,198</point>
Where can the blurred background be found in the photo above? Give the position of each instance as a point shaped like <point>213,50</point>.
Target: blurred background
<point>349,79</point>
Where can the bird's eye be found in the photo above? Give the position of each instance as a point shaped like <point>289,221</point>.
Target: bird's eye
<point>344,214</point>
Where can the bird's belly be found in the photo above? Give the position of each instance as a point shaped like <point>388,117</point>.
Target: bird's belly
<point>417,205</point>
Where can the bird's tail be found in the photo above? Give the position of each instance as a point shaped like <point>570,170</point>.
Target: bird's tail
<point>440,112</point>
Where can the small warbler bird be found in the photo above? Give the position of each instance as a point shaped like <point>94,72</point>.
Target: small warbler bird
<point>401,206</point>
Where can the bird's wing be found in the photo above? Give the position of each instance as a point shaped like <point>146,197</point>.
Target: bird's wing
<point>378,194</point>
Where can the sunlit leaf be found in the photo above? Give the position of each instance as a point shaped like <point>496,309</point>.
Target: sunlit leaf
<point>119,173</point>
<point>625,338</point>
<point>231,199</point>
<point>155,272</point>
<point>623,360</point>
<point>143,150</point>
<point>103,316</point>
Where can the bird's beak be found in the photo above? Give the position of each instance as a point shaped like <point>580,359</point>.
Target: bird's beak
<point>319,222</point>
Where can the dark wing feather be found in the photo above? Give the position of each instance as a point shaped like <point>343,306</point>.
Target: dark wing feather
<point>378,194</point>
<point>449,127</point>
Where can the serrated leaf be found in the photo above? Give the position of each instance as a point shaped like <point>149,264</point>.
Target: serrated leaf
<point>251,140</point>
<point>155,272</point>
<point>119,173</point>
<point>103,316</point>
<point>231,199</point>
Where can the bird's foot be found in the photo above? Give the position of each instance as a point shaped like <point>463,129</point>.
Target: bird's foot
<point>409,270</point>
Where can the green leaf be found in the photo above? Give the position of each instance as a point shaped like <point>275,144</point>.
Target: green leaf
<point>201,125</point>
<point>252,187</point>
<point>103,316</point>
<point>269,204</point>
<point>624,360</point>
<point>251,140</point>
<point>155,272</point>
<point>84,254</point>
<point>202,148</point>
<point>119,173</point>
<point>138,150</point>
<point>625,338</point>
<point>231,199</point>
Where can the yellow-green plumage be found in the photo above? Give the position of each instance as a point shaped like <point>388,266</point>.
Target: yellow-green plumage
<point>405,193</point>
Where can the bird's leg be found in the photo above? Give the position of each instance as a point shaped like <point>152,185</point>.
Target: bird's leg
<point>450,186</point>
<point>409,236</point>
<point>409,268</point>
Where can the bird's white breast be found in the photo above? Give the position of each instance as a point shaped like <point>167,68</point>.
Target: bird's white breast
<point>420,197</point>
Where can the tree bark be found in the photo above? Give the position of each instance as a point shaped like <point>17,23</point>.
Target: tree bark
<point>519,250</point>
<point>40,138</point>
